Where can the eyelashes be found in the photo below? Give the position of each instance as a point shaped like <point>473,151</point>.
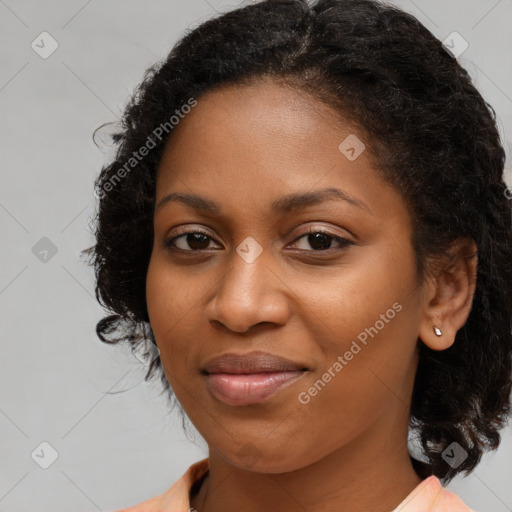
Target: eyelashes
<point>324,235</point>
<point>198,241</point>
<point>200,237</point>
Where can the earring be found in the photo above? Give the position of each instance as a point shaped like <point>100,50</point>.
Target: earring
<point>437,331</point>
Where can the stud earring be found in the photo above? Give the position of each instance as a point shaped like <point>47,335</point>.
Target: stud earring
<point>437,331</point>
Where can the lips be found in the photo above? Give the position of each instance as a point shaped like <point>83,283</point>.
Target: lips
<point>252,362</point>
<point>246,379</point>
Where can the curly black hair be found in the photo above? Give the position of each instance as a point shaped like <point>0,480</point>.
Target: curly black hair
<point>431,135</point>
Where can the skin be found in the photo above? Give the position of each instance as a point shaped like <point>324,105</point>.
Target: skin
<point>244,147</point>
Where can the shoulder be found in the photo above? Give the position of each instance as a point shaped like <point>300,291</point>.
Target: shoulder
<point>431,496</point>
<point>450,502</point>
<point>151,505</point>
<point>176,498</point>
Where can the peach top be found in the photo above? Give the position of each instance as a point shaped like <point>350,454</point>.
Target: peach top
<point>428,496</point>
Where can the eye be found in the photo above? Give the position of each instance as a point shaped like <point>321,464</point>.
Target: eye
<point>321,240</point>
<point>196,240</point>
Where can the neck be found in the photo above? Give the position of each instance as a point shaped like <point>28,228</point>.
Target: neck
<point>371,473</point>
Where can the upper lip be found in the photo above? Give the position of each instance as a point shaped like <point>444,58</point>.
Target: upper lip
<point>251,362</point>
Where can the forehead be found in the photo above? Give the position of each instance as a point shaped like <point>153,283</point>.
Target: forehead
<point>255,143</point>
<point>262,124</point>
<point>265,108</point>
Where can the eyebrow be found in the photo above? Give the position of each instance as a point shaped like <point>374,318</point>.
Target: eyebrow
<point>283,205</point>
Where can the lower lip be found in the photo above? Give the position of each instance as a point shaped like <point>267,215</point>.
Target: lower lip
<point>247,389</point>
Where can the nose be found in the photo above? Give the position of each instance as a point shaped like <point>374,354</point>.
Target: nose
<point>249,294</point>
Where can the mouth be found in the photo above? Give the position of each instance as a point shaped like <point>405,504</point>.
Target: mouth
<point>245,379</point>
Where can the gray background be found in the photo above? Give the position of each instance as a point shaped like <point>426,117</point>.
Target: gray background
<point>115,450</point>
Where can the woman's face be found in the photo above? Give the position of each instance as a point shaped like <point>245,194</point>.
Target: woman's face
<point>346,310</point>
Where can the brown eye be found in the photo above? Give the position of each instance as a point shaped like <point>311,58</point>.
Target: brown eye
<point>321,240</point>
<point>194,240</point>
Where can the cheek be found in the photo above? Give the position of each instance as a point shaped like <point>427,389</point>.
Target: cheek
<point>349,404</point>
<point>367,315</point>
<point>171,295</point>
<point>169,304</point>
<point>359,380</point>
<point>371,287</point>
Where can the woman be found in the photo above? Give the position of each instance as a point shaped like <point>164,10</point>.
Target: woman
<point>307,217</point>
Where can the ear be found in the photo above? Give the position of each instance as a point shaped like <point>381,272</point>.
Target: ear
<point>448,295</point>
